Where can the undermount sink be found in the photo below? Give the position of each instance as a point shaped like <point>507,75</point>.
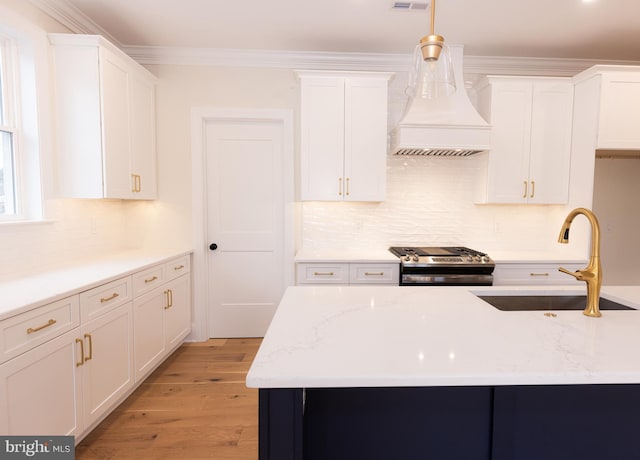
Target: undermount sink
<point>546,302</point>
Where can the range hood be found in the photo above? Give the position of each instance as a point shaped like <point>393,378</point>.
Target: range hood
<point>445,126</point>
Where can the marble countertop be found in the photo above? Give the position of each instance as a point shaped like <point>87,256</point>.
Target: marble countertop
<point>374,336</point>
<point>22,294</point>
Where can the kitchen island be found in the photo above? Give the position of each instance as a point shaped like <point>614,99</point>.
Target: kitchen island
<point>436,372</point>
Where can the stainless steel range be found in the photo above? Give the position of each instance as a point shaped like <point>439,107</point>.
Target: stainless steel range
<point>444,266</point>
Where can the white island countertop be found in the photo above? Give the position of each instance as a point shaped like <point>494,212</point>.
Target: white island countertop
<point>378,336</point>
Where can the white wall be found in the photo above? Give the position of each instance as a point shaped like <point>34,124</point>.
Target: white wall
<point>616,191</point>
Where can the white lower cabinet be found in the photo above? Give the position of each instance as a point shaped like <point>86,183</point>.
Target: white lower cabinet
<point>162,319</point>
<point>64,366</point>
<point>347,273</point>
<point>534,273</point>
<point>40,390</point>
<point>107,363</point>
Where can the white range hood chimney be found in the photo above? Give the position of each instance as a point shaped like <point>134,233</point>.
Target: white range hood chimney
<point>445,126</point>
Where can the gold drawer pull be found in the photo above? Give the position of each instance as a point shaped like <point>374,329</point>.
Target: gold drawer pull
<point>31,330</point>
<point>373,274</point>
<point>169,297</point>
<point>179,267</point>
<point>81,362</point>
<point>322,273</point>
<point>111,297</point>
<point>538,274</point>
<point>153,278</point>
<point>88,336</point>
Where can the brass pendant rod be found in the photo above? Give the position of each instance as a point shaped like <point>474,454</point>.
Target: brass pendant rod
<point>433,17</point>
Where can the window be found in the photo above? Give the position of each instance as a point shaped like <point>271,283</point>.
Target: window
<point>7,133</point>
<point>25,119</point>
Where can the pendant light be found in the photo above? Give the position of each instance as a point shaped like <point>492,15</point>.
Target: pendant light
<point>432,73</point>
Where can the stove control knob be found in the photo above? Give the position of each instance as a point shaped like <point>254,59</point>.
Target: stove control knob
<point>416,258</point>
<point>407,258</point>
<point>485,259</point>
<point>478,259</point>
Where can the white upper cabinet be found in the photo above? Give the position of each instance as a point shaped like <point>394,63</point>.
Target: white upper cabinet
<point>612,95</point>
<point>344,136</point>
<point>105,106</point>
<point>530,155</point>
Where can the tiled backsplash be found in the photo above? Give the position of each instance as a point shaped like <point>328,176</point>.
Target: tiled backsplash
<point>430,200</point>
<point>78,229</point>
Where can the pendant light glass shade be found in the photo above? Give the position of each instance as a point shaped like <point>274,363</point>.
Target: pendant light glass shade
<point>430,79</point>
<point>432,73</point>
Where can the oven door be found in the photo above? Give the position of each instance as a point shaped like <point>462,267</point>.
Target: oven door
<point>434,279</point>
<point>446,276</point>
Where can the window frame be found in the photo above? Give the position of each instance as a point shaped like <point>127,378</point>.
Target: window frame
<point>8,110</point>
<point>31,114</point>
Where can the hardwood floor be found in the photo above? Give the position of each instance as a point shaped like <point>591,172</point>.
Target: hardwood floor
<point>194,406</point>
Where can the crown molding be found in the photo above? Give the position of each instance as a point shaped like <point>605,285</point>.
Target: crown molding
<point>77,22</point>
<point>73,19</point>
<point>484,65</point>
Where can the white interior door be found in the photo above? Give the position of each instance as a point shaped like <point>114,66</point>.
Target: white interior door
<point>245,201</point>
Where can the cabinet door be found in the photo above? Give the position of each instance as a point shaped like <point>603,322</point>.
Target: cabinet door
<point>143,136</point>
<point>40,390</point>
<point>508,172</point>
<point>322,137</point>
<point>148,326</point>
<point>619,118</point>
<point>115,125</point>
<point>550,142</point>
<point>107,372</point>
<point>177,319</point>
<point>365,151</point>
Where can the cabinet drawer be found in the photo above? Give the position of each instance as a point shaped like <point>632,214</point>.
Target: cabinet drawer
<point>101,299</point>
<point>533,274</point>
<point>177,267</point>
<point>322,274</point>
<point>32,328</point>
<point>374,274</point>
<point>148,279</point>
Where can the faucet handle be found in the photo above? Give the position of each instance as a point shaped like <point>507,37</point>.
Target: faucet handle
<point>576,275</point>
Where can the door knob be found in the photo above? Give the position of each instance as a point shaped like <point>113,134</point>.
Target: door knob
<point>213,246</point>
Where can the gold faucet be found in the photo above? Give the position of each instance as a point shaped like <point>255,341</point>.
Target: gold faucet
<point>592,273</point>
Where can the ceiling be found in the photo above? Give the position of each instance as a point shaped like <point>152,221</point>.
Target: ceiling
<point>578,29</point>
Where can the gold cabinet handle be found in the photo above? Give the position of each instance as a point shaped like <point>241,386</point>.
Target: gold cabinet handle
<point>81,362</point>
<point>373,274</point>
<point>136,185</point>
<point>322,273</point>
<point>538,274</point>
<point>169,299</point>
<point>150,280</point>
<point>111,297</point>
<point>87,358</point>
<point>340,186</point>
<point>179,267</point>
<point>347,187</point>
<point>31,330</point>
<point>533,188</point>
<point>524,195</point>
<point>139,183</point>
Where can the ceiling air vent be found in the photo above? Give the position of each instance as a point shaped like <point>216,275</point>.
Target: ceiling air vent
<point>410,5</point>
<point>437,152</point>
